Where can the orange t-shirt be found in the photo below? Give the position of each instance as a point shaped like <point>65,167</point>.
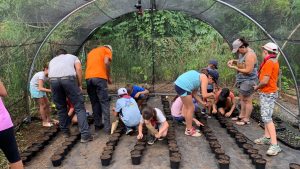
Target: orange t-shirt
<point>95,66</point>
<point>270,69</point>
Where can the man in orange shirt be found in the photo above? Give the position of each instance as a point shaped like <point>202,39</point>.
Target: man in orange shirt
<point>97,76</point>
<point>268,76</point>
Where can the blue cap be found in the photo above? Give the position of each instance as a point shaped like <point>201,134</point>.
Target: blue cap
<point>214,74</point>
<point>214,62</point>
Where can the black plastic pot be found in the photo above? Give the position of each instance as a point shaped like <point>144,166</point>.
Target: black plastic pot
<point>108,148</point>
<point>105,159</point>
<point>223,164</point>
<point>212,138</point>
<point>260,163</point>
<point>252,151</point>
<point>176,155</point>
<point>116,135</point>
<point>294,166</point>
<point>66,149</point>
<point>140,148</point>
<point>224,157</point>
<point>172,145</point>
<point>72,139</point>
<point>173,150</point>
<point>219,151</point>
<point>246,147</point>
<point>33,150</point>
<point>214,146</point>
<point>233,133</point>
<point>255,157</point>
<point>175,162</point>
<point>56,160</point>
<point>69,144</point>
<point>136,159</point>
<point>61,152</point>
<point>228,124</point>
<point>110,152</point>
<point>135,152</point>
<point>114,140</point>
<point>172,141</point>
<point>240,142</point>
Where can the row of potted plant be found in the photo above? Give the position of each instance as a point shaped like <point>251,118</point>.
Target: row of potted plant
<point>38,145</point>
<point>62,151</point>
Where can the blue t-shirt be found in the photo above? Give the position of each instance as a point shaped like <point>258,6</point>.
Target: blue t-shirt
<point>135,90</point>
<point>129,111</point>
<point>189,80</point>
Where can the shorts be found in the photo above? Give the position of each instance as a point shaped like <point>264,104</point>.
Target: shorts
<point>179,119</point>
<point>267,104</point>
<point>9,146</point>
<point>246,88</point>
<point>181,92</point>
<point>35,93</point>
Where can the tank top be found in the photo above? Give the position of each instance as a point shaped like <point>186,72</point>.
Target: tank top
<point>241,77</point>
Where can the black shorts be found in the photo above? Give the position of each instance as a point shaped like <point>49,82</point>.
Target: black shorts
<point>181,92</point>
<point>9,146</point>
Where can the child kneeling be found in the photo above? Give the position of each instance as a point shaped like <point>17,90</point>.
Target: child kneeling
<point>225,102</point>
<point>156,123</point>
<point>128,110</point>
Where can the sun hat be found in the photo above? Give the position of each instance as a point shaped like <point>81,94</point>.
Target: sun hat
<point>108,46</point>
<point>122,91</point>
<point>272,47</point>
<point>236,44</point>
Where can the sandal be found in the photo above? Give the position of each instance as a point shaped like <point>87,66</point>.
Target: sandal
<point>242,123</point>
<point>47,124</point>
<point>237,118</point>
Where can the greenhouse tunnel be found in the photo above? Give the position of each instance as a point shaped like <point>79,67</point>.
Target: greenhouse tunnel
<point>86,16</point>
<point>37,28</point>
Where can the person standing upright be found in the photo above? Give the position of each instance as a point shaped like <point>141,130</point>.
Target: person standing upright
<point>268,93</point>
<point>65,74</point>
<point>246,78</point>
<point>97,76</point>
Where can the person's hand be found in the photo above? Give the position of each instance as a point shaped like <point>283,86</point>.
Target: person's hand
<point>139,136</point>
<point>137,95</point>
<point>80,87</point>
<point>198,123</point>
<point>157,135</point>
<point>228,114</point>
<point>109,81</point>
<point>229,63</point>
<point>255,87</point>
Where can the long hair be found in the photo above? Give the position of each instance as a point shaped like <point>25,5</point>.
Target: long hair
<point>224,94</point>
<point>148,113</point>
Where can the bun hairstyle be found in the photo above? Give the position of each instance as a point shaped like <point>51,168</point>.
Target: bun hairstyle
<point>148,113</point>
<point>245,43</point>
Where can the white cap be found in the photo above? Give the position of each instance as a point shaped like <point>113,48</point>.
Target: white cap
<point>122,91</point>
<point>236,44</point>
<point>108,46</point>
<point>272,47</point>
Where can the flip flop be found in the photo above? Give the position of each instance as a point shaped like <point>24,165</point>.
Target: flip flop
<point>242,123</point>
<point>236,118</point>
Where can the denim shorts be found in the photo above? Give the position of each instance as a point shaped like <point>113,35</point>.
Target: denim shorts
<point>246,88</point>
<point>267,104</point>
<point>181,92</point>
<point>35,93</point>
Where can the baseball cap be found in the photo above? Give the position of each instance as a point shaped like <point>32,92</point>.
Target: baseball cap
<point>214,62</point>
<point>214,74</point>
<point>272,47</point>
<point>236,44</point>
<point>122,91</point>
<point>108,46</point>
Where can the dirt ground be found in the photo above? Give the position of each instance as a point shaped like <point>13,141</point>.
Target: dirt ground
<point>195,151</point>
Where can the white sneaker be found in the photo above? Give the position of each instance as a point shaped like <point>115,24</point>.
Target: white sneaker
<point>273,150</point>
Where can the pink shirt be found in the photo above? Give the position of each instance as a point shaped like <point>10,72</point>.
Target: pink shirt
<point>176,108</point>
<point>5,120</point>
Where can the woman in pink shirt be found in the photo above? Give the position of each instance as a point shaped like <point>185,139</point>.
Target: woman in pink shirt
<point>8,142</point>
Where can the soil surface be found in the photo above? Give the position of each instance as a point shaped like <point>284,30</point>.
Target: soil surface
<point>195,151</point>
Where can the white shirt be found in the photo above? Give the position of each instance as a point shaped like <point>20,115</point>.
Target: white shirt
<point>63,65</point>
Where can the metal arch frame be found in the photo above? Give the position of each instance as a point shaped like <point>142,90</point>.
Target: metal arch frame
<point>47,37</point>
<point>273,40</point>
